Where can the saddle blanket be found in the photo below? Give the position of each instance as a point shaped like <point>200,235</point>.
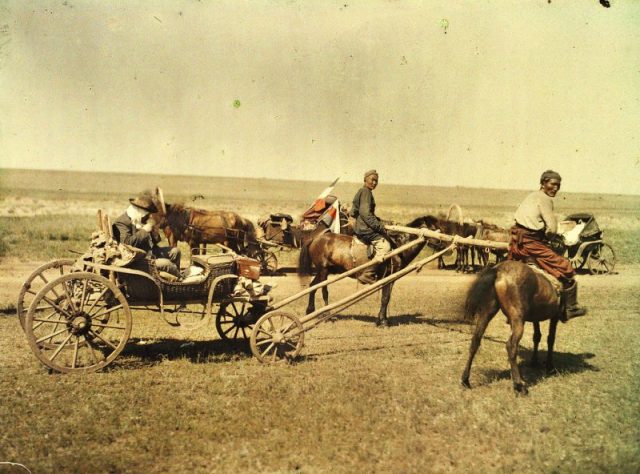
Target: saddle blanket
<point>557,285</point>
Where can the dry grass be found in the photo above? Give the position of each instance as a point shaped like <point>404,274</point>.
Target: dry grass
<point>360,399</point>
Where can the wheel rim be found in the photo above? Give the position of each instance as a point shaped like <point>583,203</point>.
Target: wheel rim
<point>601,259</point>
<point>36,281</point>
<point>235,320</point>
<point>84,329</point>
<point>277,336</point>
<point>268,262</point>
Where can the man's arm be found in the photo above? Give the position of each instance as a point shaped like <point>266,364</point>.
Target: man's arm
<point>139,239</point>
<point>546,212</point>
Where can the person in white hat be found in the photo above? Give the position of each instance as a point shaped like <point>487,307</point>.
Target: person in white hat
<point>136,228</point>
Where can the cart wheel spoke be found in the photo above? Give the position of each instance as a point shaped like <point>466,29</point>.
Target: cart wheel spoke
<point>72,347</point>
<point>284,334</point>
<point>235,320</point>
<point>41,277</point>
<point>601,259</point>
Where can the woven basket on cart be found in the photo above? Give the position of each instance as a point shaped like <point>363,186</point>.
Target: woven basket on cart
<point>142,289</point>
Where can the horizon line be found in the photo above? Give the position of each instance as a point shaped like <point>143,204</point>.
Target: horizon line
<point>297,179</point>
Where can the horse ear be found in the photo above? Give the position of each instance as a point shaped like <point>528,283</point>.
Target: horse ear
<point>163,206</point>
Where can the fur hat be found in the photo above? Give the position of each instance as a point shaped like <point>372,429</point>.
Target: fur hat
<point>369,173</point>
<point>144,202</point>
<point>549,174</point>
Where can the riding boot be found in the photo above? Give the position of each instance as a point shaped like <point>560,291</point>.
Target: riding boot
<point>368,275</point>
<point>571,307</point>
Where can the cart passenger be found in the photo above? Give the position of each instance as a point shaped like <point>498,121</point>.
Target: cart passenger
<point>136,228</point>
<point>535,226</point>
<point>368,227</point>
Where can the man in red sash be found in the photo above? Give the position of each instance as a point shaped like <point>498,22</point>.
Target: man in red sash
<point>535,225</point>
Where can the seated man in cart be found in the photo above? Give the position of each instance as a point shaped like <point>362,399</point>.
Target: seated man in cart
<point>368,227</point>
<point>136,228</point>
<point>535,225</point>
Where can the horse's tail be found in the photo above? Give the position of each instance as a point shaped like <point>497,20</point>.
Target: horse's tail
<point>305,265</point>
<point>482,293</point>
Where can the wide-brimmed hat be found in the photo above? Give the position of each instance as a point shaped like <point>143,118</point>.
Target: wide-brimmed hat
<point>144,202</point>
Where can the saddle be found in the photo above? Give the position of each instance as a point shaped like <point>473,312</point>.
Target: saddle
<point>555,283</point>
<point>360,249</point>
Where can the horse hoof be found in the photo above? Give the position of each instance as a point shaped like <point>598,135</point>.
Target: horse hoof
<point>520,389</point>
<point>465,383</point>
<point>382,324</point>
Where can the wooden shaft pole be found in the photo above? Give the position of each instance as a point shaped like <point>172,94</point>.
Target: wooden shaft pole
<point>448,238</point>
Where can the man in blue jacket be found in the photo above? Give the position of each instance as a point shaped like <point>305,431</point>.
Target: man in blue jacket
<point>369,228</point>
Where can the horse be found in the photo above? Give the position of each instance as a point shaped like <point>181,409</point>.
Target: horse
<point>332,253</point>
<point>199,226</point>
<point>524,295</point>
<point>487,231</point>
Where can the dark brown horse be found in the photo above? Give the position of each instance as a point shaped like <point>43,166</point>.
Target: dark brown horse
<point>199,226</point>
<point>327,253</point>
<point>523,295</point>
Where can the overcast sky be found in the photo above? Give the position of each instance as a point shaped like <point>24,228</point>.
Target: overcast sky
<point>438,92</point>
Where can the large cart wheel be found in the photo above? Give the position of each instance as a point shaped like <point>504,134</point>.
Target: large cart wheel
<point>601,259</point>
<point>37,280</point>
<point>276,336</point>
<point>235,320</point>
<point>268,262</point>
<point>79,322</point>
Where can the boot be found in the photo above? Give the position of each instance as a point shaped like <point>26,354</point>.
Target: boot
<point>367,276</point>
<point>571,307</point>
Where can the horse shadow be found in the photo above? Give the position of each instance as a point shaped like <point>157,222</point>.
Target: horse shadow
<point>140,353</point>
<point>407,319</point>
<point>565,363</point>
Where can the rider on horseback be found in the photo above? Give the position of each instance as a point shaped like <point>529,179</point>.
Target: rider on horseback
<point>368,228</point>
<point>535,227</point>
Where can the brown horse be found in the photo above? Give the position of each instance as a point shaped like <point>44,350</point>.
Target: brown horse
<point>332,253</point>
<point>523,294</point>
<point>200,226</point>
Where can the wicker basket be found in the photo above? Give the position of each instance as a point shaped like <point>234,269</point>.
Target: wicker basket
<point>139,288</point>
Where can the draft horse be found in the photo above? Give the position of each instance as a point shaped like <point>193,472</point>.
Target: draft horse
<point>328,253</point>
<point>199,226</point>
<point>523,295</point>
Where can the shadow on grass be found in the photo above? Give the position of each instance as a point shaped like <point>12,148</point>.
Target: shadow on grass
<point>155,351</point>
<point>564,363</point>
<point>406,319</point>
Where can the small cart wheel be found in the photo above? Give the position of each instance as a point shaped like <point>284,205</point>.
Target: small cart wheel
<point>79,322</point>
<point>268,262</point>
<point>601,259</point>
<point>36,281</point>
<point>235,320</point>
<point>276,336</point>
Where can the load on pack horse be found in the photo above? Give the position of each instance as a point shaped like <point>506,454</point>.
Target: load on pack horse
<point>325,212</point>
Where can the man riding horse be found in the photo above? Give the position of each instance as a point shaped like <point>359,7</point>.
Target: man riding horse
<point>535,225</point>
<point>368,228</point>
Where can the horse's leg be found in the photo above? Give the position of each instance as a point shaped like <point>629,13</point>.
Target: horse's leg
<point>517,329</point>
<point>325,289</point>
<point>384,303</point>
<point>551,339</point>
<point>537,336</point>
<point>484,318</point>
<point>311,307</point>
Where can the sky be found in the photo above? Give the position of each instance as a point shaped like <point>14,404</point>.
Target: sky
<point>483,93</point>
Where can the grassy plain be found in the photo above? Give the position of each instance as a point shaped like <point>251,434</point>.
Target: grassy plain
<point>360,399</point>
